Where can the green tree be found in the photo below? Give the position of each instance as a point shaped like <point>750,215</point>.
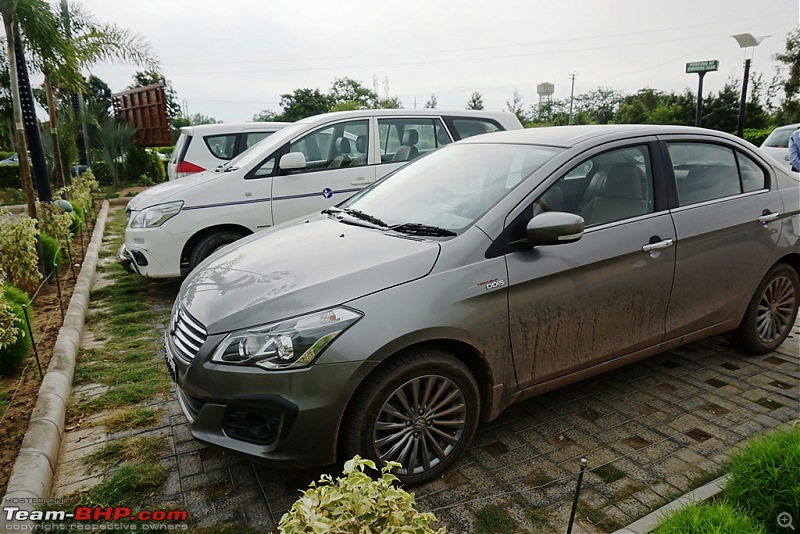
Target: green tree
<point>721,111</point>
<point>790,108</point>
<point>266,115</point>
<point>432,102</point>
<point>598,106</point>
<point>346,90</point>
<point>302,103</point>
<point>515,107</point>
<point>390,102</point>
<point>114,138</point>
<point>199,118</point>
<point>475,101</point>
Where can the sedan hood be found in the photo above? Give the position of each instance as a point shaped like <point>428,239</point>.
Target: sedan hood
<point>298,268</point>
<point>166,191</point>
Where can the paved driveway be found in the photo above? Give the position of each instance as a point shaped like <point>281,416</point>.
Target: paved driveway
<point>650,431</point>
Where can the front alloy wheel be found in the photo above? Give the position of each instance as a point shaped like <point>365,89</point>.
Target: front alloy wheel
<point>420,424</point>
<point>419,410</point>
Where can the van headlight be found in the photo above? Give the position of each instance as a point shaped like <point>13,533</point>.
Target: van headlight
<point>156,215</point>
<point>286,344</point>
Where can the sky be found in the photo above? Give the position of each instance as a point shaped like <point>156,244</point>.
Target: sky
<point>231,59</point>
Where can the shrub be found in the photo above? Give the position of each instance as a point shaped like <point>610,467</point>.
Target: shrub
<point>756,135</point>
<point>52,255</point>
<point>356,503</point>
<point>765,477</point>
<point>9,176</point>
<point>13,353</point>
<point>701,517</point>
<point>135,162</point>
<point>154,168</point>
<point>9,321</point>
<point>78,218</point>
<point>18,258</point>
<point>54,221</point>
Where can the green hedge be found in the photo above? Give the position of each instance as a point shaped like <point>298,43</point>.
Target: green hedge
<point>12,357</point>
<point>5,154</point>
<point>77,218</point>
<point>9,176</point>
<point>50,253</point>
<point>756,136</point>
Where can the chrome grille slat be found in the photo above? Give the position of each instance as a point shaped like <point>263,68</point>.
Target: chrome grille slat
<point>187,334</point>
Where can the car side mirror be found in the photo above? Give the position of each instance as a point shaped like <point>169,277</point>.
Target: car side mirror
<point>554,228</point>
<point>292,161</point>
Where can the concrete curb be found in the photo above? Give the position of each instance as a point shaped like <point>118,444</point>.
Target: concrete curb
<point>22,208</point>
<point>651,520</point>
<point>34,468</point>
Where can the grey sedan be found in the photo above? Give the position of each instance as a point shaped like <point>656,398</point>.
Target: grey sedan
<point>487,272</point>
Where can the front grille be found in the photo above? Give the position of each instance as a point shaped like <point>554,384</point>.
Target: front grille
<point>187,334</point>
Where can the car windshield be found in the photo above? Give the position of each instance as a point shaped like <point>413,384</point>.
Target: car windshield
<point>779,138</point>
<point>452,187</point>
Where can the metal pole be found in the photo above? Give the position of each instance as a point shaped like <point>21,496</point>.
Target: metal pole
<point>571,97</point>
<point>69,253</point>
<point>577,495</point>
<point>33,341</point>
<point>58,285</point>
<point>743,101</point>
<point>698,117</point>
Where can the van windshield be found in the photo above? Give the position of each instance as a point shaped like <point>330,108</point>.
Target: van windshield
<point>452,187</point>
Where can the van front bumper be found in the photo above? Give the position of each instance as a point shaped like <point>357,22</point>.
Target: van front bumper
<point>152,252</point>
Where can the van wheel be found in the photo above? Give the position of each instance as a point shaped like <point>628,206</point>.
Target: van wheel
<point>420,411</point>
<point>772,311</point>
<point>210,244</point>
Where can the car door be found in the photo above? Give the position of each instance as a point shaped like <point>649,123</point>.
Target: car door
<point>337,165</point>
<point>726,224</point>
<point>576,305</point>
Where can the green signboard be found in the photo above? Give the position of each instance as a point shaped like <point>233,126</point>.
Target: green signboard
<point>702,66</point>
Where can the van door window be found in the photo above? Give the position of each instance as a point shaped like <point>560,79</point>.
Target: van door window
<point>340,145</point>
<point>407,139</point>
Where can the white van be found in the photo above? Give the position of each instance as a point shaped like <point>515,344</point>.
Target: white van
<point>207,146</point>
<point>305,167</point>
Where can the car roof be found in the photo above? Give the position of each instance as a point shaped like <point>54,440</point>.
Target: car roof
<point>228,127</point>
<point>336,115</point>
<point>570,136</point>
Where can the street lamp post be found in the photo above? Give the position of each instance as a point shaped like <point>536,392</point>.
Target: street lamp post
<point>745,40</point>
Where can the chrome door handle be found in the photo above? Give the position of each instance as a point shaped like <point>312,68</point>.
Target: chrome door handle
<point>658,246</point>
<point>768,217</point>
<point>360,181</point>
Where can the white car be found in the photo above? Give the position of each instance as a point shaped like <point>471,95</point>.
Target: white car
<point>777,144</point>
<point>207,146</point>
<point>304,168</point>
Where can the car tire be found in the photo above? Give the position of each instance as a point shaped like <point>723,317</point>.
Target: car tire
<point>210,244</point>
<point>386,423</point>
<point>771,313</point>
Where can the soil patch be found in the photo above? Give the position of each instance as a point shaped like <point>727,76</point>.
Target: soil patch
<point>22,387</point>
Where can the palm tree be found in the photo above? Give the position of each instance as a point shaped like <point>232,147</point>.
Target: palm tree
<point>92,43</point>
<point>114,137</point>
<point>45,40</point>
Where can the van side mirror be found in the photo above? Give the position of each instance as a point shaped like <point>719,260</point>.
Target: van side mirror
<point>554,228</point>
<point>292,161</point>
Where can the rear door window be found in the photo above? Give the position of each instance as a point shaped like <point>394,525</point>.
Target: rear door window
<point>251,138</point>
<point>704,171</point>
<point>418,136</point>
<point>222,146</point>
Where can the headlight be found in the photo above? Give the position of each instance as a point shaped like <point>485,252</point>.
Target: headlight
<point>156,215</point>
<point>286,344</point>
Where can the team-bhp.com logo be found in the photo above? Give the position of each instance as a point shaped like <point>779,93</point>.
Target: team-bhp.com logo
<point>123,517</point>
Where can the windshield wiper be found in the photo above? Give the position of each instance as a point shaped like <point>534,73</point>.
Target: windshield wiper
<point>423,229</point>
<point>355,217</point>
<point>229,169</point>
<point>366,217</point>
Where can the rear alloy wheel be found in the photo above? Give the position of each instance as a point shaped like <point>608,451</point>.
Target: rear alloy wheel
<point>772,311</point>
<point>421,412</point>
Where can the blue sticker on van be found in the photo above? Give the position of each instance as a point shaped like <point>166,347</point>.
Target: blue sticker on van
<point>327,192</point>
